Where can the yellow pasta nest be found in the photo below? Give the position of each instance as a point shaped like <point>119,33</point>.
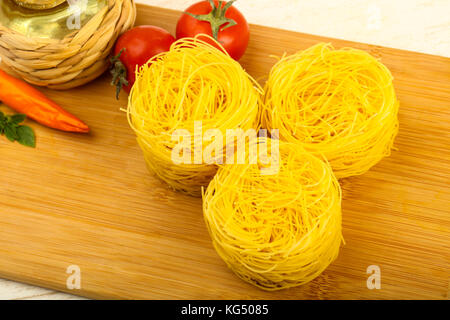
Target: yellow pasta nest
<point>276,230</point>
<point>340,103</point>
<point>192,83</point>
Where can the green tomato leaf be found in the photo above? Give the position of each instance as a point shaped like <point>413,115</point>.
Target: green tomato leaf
<point>26,136</point>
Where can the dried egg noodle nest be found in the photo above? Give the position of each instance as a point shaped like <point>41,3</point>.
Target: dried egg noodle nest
<point>340,103</point>
<point>192,82</point>
<point>276,231</point>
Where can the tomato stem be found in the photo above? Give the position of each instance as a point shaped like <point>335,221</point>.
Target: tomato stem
<point>216,17</point>
<point>119,73</point>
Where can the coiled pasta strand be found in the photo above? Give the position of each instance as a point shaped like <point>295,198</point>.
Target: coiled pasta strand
<point>276,231</point>
<point>192,82</point>
<point>339,103</point>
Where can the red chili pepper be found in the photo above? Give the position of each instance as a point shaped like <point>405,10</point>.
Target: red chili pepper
<point>23,98</point>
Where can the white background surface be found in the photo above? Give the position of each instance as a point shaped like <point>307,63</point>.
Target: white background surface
<point>417,25</point>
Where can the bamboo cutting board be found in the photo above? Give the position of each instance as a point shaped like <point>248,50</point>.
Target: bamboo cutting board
<point>89,201</point>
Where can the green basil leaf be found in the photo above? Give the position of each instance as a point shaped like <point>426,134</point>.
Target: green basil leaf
<point>26,136</point>
<point>18,118</point>
<point>11,133</point>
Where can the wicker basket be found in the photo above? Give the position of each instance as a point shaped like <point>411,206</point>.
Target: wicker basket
<point>72,61</point>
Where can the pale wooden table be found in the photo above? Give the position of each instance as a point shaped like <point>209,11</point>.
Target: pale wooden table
<point>417,25</point>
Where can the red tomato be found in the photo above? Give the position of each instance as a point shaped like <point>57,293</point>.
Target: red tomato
<point>133,49</point>
<point>215,21</point>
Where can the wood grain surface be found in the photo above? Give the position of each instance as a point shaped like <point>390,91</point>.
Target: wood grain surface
<point>88,200</point>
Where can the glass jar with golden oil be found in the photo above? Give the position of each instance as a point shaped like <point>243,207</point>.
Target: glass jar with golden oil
<point>47,18</point>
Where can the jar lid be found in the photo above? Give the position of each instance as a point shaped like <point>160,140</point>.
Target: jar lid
<point>39,4</point>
